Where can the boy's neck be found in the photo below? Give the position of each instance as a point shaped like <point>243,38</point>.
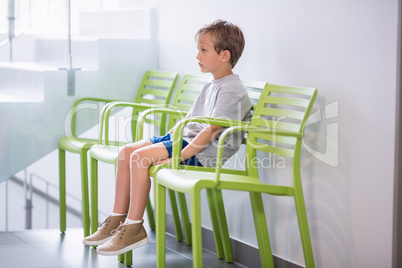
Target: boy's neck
<point>221,74</point>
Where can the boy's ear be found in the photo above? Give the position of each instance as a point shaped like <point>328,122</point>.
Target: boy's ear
<point>225,55</point>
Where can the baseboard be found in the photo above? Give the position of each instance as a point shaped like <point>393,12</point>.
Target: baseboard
<point>243,254</point>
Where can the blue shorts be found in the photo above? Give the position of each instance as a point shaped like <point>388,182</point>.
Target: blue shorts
<point>167,141</point>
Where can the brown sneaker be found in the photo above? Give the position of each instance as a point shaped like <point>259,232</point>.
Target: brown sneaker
<point>105,232</point>
<point>127,237</point>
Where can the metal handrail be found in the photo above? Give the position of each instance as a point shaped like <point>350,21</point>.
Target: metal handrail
<point>6,41</point>
<point>29,200</point>
<point>29,189</point>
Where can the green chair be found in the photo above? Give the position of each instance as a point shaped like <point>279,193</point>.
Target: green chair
<point>277,127</point>
<point>254,89</point>
<point>187,92</point>
<point>155,89</point>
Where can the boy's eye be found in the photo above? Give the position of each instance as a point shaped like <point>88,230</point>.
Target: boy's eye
<point>203,50</point>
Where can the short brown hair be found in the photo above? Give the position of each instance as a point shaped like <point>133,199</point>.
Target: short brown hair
<point>225,36</point>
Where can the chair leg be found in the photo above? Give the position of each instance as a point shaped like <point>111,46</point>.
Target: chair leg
<point>223,225</point>
<point>215,224</point>
<point>175,214</point>
<point>185,217</point>
<point>128,258</point>
<point>196,228</point>
<point>120,258</point>
<point>94,195</point>
<point>160,213</point>
<point>304,230</point>
<point>84,191</point>
<point>150,214</point>
<point>261,229</point>
<point>62,190</point>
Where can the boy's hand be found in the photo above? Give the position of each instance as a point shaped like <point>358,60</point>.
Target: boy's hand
<point>164,161</point>
<point>205,137</point>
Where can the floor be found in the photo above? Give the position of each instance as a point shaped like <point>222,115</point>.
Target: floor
<point>50,248</point>
<point>43,246</point>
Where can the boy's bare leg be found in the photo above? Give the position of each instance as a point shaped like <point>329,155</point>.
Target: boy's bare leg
<point>122,190</point>
<point>122,195</point>
<point>131,235</point>
<point>141,160</point>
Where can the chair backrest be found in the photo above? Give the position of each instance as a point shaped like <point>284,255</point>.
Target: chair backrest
<point>280,108</point>
<point>191,85</point>
<point>254,89</point>
<point>187,92</point>
<point>156,88</point>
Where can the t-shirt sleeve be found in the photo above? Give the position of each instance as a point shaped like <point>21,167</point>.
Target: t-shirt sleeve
<point>230,106</point>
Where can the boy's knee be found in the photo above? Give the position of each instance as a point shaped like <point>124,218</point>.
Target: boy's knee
<point>135,156</point>
<point>124,153</point>
<point>140,159</point>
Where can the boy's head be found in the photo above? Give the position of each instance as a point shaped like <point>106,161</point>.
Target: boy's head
<point>225,36</point>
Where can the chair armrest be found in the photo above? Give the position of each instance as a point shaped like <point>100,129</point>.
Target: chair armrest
<point>104,124</point>
<point>248,129</point>
<point>164,110</point>
<point>178,133</point>
<point>74,111</point>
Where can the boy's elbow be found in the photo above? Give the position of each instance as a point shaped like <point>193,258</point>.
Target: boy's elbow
<point>215,131</point>
<point>215,128</point>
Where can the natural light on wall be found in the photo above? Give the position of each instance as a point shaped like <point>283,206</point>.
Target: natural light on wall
<point>23,68</point>
<point>46,16</point>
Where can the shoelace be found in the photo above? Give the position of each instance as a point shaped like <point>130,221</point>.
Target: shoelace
<point>105,222</point>
<point>119,231</point>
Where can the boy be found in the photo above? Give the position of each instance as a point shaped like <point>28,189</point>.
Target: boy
<point>220,46</point>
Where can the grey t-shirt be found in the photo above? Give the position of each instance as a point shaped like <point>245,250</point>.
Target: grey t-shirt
<point>223,98</point>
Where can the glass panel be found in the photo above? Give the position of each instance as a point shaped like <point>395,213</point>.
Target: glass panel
<point>3,16</point>
<point>44,16</point>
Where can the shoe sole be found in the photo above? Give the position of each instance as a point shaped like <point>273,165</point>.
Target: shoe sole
<point>141,243</point>
<point>97,243</point>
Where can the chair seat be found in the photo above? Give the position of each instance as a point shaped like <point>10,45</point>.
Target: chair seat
<point>106,154</point>
<point>75,145</point>
<point>188,180</point>
<point>153,170</point>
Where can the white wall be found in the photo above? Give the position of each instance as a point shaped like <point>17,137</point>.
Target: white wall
<point>346,49</point>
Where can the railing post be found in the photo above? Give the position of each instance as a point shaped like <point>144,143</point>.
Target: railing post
<point>28,201</point>
<point>6,195</point>
<point>11,19</point>
<point>47,205</point>
<point>70,57</point>
<point>70,69</point>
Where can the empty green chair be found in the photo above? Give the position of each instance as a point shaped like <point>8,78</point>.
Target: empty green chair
<point>186,93</point>
<point>277,127</point>
<point>147,94</point>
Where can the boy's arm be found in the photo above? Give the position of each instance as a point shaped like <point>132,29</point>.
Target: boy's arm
<point>202,140</point>
<point>172,129</point>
